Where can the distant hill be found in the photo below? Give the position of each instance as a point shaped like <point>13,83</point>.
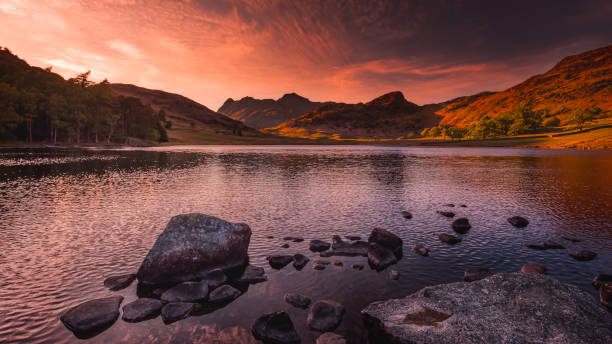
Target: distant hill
<point>389,115</point>
<point>581,81</point>
<point>183,112</point>
<point>264,113</point>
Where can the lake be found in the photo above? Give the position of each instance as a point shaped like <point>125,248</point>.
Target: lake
<point>71,218</point>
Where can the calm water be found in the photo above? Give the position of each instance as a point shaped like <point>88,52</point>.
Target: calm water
<point>69,219</point>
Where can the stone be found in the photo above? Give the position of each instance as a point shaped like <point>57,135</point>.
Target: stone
<point>446,213</point>
<point>358,267</point>
<point>421,250</point>
<point>601,279</point>
<point>92,316</point>
<point>406,214</point>
<point>463,206</point>
<point>325,315</point>
<point>387,239</point>
<point>285,245</point>
<point>299,261</point>
<point>214,278</point>
<point>536,247</point>
<point>322,261</point>
<point>343,248</point>
<point>553,245</point>
<point>338,263</point>
<point>298,239</point>
<point>502,308</point>
<point>269,236</point>
<point>449,239</point>
<point>141,309</point>
<point>394,274</point>
<point>275,328</point>
<point>449,205</point>
<point>353,237</point>
<point>119,282</point>
<point>518,221</point>
<point>583,255</point>
<point>288,238</point>
<point>253,274</point>
<point>224,293</point>
<point>380,257</point>
<point>605,295</point>
<point>176,311</point>
<point>476,274</point>
<point>318,266</point>
<point>297,300</point>
<point>330,338</point>
<point>193,244</point>
<point>279,262</point>
<point>572,239</point>
<point>319,246</point>
<point>533,268</point>
<point>461,225</point>
<point>186,292</point>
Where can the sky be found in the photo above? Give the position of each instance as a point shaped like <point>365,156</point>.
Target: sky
<point>349,51</point>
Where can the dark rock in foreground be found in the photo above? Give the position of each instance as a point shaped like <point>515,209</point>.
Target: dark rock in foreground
<point>299,261</point>
<point>461,225</point>
<point>518,221</point>
<point>421,250</point>
<point>119,282</point>
<point>279,262</point>
<point>583,255</point>
<point>325,315</point>
<point>406,214</point>
<point>601,279</point>
<point>476,274</point>
<point>141,309</point>
<point>387,239</point>
<point>92,316</point>
<point>224,293</point>
<point>446,213</point>
<point>253,274</point>
<point>330,338</point>
<point>193,244</point>
<point>186,292</point>
<point>516,308</point>
<point>275,328</point>
<point>449,239</point>
<point>533,268</point>
<point>297,300</point>
<point>348,249</point>
<point>176,311</point>
<point>319,246</point>
<point>380,257</point>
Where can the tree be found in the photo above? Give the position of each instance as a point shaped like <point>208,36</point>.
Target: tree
<point>579,118</point>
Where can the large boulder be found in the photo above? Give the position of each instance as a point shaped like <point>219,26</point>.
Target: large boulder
<point>275,328</point>
<point>387,239</point>
<point>92,316</point>
<point>503,308</point>
<point>193,244</point>
<point>325,315</point>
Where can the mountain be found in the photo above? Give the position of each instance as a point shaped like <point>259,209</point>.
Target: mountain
<point>182,112</point>
<point>264,113</point>
<point>389,115</point>
<point>581,81</point>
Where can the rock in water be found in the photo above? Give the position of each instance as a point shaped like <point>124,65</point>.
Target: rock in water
<point>601,279</point>
<point>275,328</point>
<point>476,274</point>
<point>279,262</point>
<point>394,274</point>
<point>358,267</point>
<point>583,255</point>
<point>553,245</point>
<point>253,274</point>
<point>380,257</point>
<point>119,282</point>
<point>214,278</point>
<point>297,300</point>
<point>518,221</point>
<point>141,309</point>
<point>343,248</point>
<point>186,292</point>
<point>330,338</point>
<point>193,244</point>
<point>605,295</point>
<point>353,237</point>
<point>536,247</point>
<point>92,316</point>
<point>387,239</point>
<point>503,308</point>
<point>319,246</point>
<point>224,293</point>
<point>446,213</point>
<point>406,214</point>
<point>449,239</point>
<point>461,225</point>
<point>176,311</point>
<point>533,268</point>
<point>299,261</point>
<point>325,315</point>
<point>421,250</point>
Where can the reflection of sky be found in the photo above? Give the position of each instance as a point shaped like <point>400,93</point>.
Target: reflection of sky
<point>347,51</point>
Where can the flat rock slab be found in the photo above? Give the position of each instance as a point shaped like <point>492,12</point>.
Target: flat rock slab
<point>92,316</point>
<point>518,221</point>
<point>297,300</point>
<point>279,262</point>
<point>325,315</point>
<point>330,338</point>
<point>347,249</point>
<point>275,328</point>
<point>503,308</point>
<point>319,246</point>
<point>299,261</point>
<point>186,292</point>
<point>119,282</point>
<point>583,255</point>
<point>253,274</point>
<point>224,293</point>
<point>141,309</point>
<point>476,274</point>
<point>176,311</point>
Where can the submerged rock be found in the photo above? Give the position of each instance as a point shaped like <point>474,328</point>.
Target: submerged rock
<point>297,300</point>
<point>253,274</point>
<point>186,292</point>
<point>92,316</point>
<point>583,255</point>
<point>330,338</point>
<point>449,239</point>
<point>319,246</point>
<point>553,245</point>
<point>299,261</point>
<point>518,221</point>
<point>446,213</point>
<point>224,293</point>
<point>533,268</point>
<point>503,308</point>
<point>406,214</point>
<point>348,249</point>
<point>141,309</point>
<point>461,225</point>
<point>275,328</point>
<point>176,311</point>
<point>119,282</point>
<point>476,274</point>
<point>387,239</point>
<point>380,257</point>
<point>279,262</point>
<point>325,315</point>
<point>601,279</point>
<point>193,244</point>
<point>421,250</point>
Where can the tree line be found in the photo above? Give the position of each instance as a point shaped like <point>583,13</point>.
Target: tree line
<point>38,105</point>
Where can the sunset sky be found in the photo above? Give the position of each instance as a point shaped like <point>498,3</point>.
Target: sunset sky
<point>348,51</point>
